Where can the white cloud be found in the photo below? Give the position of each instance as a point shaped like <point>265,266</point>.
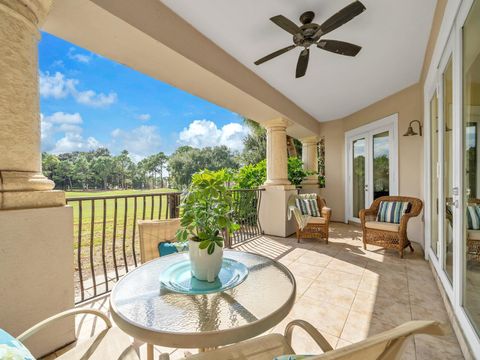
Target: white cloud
<point>91,98</point>
<point>75,142</point>
<point>62,132</point>
<point>83,58</point>
<point>203,133</point>
<point>144,117</point>
<point>139,142</point>
<point>64,118</point>
<point>57,86</point>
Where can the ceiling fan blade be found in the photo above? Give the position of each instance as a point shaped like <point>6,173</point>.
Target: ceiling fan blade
<point>285,24</point>
<point>302,63</point>
<point>274,54</point>
<point>341,17</point>
<point>339,47</point>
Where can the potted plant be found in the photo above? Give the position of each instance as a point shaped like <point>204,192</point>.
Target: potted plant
<point>206,207</point>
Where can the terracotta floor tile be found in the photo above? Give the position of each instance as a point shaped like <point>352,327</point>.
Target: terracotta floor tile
<point>347,293</point>
<point>338,296</point>
<point>339,278</point>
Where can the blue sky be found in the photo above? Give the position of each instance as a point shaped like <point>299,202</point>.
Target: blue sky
<point>88,101</point>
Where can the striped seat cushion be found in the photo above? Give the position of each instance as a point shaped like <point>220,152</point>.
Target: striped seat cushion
<point>308,206</point>
<point>473,217</point>
<point>392,211</point>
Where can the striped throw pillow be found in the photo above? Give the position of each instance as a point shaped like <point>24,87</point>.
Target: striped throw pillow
<point>308,207</point>
<point>392,211</point>
<point>473,217</point>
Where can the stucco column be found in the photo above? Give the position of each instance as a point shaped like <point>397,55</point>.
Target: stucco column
<point>22,184</point>
<point>36,229</point>
<point>277,160</point>
<point>310,160</point>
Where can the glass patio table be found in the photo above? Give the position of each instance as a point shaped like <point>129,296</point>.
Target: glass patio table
<point>142,307</point>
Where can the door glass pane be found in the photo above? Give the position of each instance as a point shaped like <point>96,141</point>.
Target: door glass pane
<point>471,120</point>
<point>381,175</point>
<point>358,172</point>
<point>447,170</point>
<point>433,170</point>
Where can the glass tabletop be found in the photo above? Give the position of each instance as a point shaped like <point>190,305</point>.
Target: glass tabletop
<point>147,311</point>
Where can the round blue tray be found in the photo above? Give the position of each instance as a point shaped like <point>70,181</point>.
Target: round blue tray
<point>178,278</point>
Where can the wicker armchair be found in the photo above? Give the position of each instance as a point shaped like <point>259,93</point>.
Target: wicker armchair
<point>388,235</point>
<point>317,227</point>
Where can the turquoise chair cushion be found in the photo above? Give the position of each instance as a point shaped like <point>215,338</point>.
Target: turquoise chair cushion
<point>167,248</point>
<point>12,349</point>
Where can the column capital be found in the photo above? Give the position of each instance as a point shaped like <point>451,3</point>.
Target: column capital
<point>34,11</point>
<point>309,140</point>
<point>276,123</point>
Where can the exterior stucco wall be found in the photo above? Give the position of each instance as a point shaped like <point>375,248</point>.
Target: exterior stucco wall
<point>409,106</point>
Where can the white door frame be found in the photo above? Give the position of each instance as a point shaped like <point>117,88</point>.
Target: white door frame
<point>449,42</point>
<point>388,123</point>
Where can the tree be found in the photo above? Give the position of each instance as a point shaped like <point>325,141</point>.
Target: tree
<point>65,173</point>
<point>158,162</point>
<point>255,143</point>
<point>186,161</point>
<point>81,171</point>
<point>102,168</point>
<point>50,164</point>
<point>125,167</point>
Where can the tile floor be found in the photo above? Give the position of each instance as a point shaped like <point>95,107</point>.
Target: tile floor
<point>346,292</point>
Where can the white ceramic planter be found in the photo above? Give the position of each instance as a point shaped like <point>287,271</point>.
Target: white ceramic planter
<point>205,266</point>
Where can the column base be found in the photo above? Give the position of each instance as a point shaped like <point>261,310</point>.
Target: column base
<point>37,274</point>
<point>10,200</point>
<point>24,181</point>
<point>274,210</point>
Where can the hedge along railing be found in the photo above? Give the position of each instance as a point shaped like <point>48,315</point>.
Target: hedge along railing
<point>106,243</point>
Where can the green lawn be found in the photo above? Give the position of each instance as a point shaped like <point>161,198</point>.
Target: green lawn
<point>93,213</point>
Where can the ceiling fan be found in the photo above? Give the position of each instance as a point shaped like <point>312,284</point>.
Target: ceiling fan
<point>310,33</point>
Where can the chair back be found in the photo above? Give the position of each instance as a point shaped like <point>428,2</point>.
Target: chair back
<point>387,345</point>
<point>416,203</point>
<point>320,201</point>
<point>152,233</point>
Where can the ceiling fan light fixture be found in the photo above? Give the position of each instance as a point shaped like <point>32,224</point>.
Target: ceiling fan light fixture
<point>309,34</point>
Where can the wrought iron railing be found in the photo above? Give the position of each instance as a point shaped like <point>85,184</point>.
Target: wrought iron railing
<point>106,244</point>
<point>246,206</point>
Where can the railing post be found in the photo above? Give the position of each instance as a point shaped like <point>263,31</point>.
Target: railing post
<point>174,201</point>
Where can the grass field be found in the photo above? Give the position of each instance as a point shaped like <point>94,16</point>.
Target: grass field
<point>106,232</point>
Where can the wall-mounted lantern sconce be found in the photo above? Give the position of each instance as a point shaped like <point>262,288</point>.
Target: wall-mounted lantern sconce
<point>411,132</point>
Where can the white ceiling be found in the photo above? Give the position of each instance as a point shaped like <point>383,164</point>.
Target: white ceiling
<point>393,35</point>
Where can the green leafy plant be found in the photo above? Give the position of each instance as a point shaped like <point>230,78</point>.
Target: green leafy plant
<point>296,172</point>
<point>251,176</point>
<point>206,210</point>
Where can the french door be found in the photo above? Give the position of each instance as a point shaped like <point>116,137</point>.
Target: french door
<point>452,111</point>
<point>371,161</point>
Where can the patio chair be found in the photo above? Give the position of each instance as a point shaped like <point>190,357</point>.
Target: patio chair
<point>308,226</point>
<point>110,343</point>
<point>387,345</point>
<point>390,235</point>
<point>153,233</point>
